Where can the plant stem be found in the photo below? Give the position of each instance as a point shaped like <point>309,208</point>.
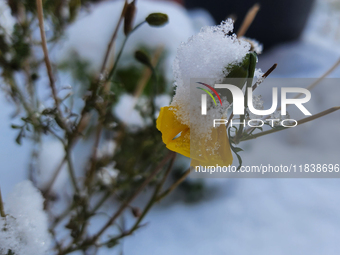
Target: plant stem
<point>101,202</point>
<point>328,72</point>
<point>121,51</point>
<point>316,116</point>
<point>248,20</point>
<point>2,210</point>
<point>94,155</point>
<point>62,216</point>
<point>147,72</point>
<point>54,177</point>
<point>141,187</point>
<point>113,38</point>
<point>154,196</point>
<point>173,186</point>
<point>71,171</point>
<point>40,14</point>
<point>149,205</point>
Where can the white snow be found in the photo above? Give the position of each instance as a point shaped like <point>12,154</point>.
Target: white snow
<point>107,149</point>
<point>7,21</point>
<point>258,73</point>
<point>107,175</point>
<point>125,112</point>
<point>161,101</point>
<point>94,30</point>
<point>205,55</point>
<point>25,229</point>
<point>54,151</point>
<point>245,216</point>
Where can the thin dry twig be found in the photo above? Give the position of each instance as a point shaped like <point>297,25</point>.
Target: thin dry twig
<point>310,87</point>
<point>270,70</point>
<point>113,38</point>
<point>319,115</point>
<point>40,14</point>
<point>314,84</point>
<point>299,122</point>
<point>248,20</point>
<point>174,185</point>
<point>94,154</point>
<point>264,76</point>
<point>154,196</point>
<point>2,210</point>
<point>126,204</point>
<point>149,205</point>
<point>147,72</point>
<point>49,186</point>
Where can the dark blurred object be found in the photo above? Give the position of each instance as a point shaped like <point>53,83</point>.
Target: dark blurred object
<point>276,22</point>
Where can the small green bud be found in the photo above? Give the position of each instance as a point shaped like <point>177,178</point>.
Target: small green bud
<point>143,58</point>
<point>157,19</point>
<point>34,76</point>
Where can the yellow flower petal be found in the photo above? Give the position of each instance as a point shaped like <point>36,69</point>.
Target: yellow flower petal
<point>168,124</point>
<point>213,151</point>
<point>203,152</point>
<point>181,144</point>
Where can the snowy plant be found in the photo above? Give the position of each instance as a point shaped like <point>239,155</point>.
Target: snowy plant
<point>106,116</point>
<point>215,54</point>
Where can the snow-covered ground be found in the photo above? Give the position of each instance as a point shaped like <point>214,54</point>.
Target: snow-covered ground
<point>245,216</point>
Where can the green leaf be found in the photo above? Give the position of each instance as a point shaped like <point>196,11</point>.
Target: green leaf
<point>239,74</point>
<point>19,137</point>
<point>235,150</point>
<point>10,252</point>
<point>15,126</point>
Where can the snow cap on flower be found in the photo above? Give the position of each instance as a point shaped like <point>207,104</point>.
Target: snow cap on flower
<point>205,55</point>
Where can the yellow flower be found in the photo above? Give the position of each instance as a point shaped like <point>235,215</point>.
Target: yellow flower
<point>206,152</point>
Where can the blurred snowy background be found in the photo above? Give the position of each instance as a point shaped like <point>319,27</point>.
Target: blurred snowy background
<point>235,216</point>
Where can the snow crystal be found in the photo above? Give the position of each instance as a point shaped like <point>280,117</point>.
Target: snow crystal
<point>278,118</point>
<point>258,73</point>
<point>255,45</point>
<point>258,105</point>
<point>25,228</point>
<point>205,55</point>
